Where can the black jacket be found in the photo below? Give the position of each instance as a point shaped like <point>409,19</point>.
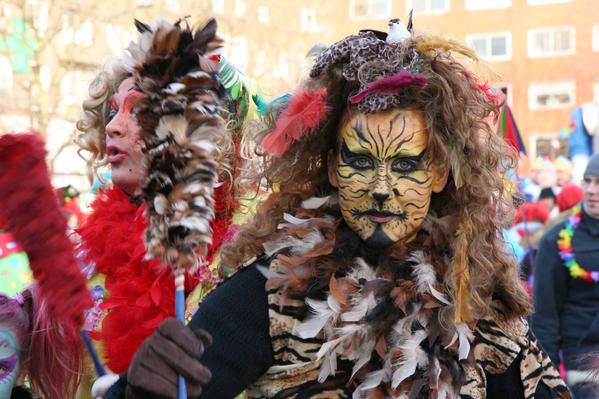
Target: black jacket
<point>566,310</point>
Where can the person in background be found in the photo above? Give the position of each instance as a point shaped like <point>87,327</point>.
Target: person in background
<point>563,171</point>
<point>38,357</point>
<point>566,288</point>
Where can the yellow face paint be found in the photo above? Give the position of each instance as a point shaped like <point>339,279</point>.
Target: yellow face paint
<point>385,175</point>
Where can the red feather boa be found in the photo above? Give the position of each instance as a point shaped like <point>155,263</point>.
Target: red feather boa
<point>141,292</point>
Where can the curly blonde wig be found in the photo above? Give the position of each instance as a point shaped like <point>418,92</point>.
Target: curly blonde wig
<point>458,111</point>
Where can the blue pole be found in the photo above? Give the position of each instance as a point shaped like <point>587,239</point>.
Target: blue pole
<point>180,315</point>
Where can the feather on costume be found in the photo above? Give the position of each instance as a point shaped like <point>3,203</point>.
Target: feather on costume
<point>371,327</point>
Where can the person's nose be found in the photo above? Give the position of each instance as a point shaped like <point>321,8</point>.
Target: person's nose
<point>380,190</point>
<point>116,127</point>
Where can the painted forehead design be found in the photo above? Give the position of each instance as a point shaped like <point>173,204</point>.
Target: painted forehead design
<point>386,138</point>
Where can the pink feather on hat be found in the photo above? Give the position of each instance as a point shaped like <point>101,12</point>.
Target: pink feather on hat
<point>306,110</point>
<point>389,85</point>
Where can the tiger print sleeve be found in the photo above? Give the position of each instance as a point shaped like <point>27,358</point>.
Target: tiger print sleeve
<point>512,359</point>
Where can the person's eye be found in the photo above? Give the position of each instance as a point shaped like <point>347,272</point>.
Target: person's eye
<point>361,163</point>
<point>112,113</point>
<point>405,165</point>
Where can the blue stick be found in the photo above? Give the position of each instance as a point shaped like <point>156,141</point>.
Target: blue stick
<point>180,315</point>
<point>92,352</point>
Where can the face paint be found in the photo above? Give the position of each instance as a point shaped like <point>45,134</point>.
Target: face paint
<point>10,365</point>
<point>385,175</point>
<point>123,143</point>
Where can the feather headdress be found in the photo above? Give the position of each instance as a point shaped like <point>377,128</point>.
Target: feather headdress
<point>182,126</point>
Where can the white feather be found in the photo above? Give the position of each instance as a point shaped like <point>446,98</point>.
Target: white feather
<point>359,311</point>
<point>323,312</point>
<point>412,357</point>
<point>196,223</point>
<point>204,145</point>
<point>192,188</point>
<point>198,74</point>
<point>315,202</point>
<point>160,204</point>
<point>423,273</point>
<point>180,206</point>
<point>172,124</point>
<point>174,88</point>
<point>464,337</point>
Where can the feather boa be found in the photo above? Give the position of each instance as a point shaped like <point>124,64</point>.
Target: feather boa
<point>140,291</point>
<point>381,313</point>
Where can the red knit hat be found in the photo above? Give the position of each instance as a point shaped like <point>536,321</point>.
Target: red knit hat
<point>532,212</point>
<point>570,195</point>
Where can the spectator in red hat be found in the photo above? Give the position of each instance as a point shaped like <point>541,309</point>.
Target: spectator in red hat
<point>570,196</point>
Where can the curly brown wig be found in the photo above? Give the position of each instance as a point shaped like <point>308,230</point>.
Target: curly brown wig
<point>458,111</point>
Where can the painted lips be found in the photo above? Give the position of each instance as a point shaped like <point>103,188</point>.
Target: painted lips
<point>115,153</point>
<point>380,216</point>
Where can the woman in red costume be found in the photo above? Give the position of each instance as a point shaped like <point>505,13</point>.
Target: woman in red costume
<point>133,295</point>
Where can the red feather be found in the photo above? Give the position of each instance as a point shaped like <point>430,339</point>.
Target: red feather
<point>140,290</point>
<point>306,111</point>
<point>37,223</point>
<point>389,85</point>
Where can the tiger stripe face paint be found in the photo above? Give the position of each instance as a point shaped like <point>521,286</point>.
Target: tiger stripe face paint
<point>385,175</point>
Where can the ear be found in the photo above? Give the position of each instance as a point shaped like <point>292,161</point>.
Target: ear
<point>440,176</point>
<point>332,168</point>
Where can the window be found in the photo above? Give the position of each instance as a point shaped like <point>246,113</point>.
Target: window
<point>39,14</point>
<point>119,37</point>
<point>596,38</point>
<point>75,31</point>
<point>548,145</point>
<point>487,4</point>
<point>173,6</point>
<point>541,2</point>
<point>370,9</point>
<point>241,7</point>
<point>74,87</point>
<point>45,77</point>
<point>281,69</point>
<point>144,3</point>
<point>237,51</point>
<point>553,95</point>
<point>6,79</point>
<point>308,20</point>
<point>218,6</point>
<point>549,42</point>
<point>263,15</point>
<point>428,7</point>
<point>492,46</point>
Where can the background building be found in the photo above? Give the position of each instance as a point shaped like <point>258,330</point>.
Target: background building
<point>546,51</point>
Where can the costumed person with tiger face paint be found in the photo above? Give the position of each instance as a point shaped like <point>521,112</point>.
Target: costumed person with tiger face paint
<point>376,268</point>
<point>133,294</point>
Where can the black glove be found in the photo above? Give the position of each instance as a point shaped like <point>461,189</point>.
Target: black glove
<point>172,350</point>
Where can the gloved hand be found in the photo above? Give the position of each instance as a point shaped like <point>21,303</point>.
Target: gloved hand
<point>171,350</point>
